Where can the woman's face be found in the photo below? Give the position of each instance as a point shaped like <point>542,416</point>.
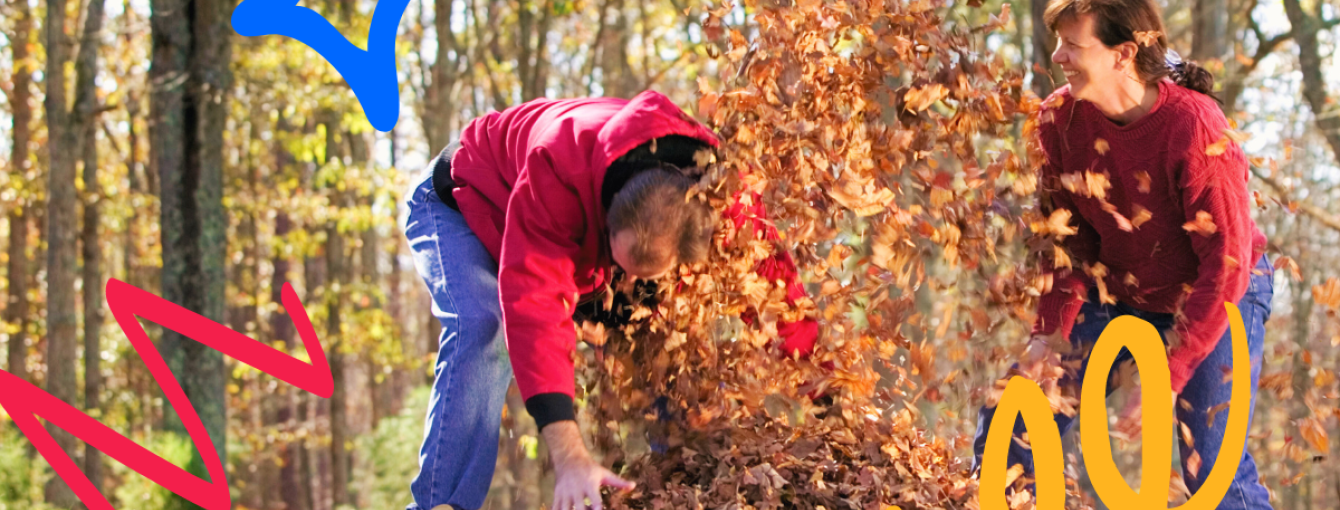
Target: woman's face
<point>1091,68</point>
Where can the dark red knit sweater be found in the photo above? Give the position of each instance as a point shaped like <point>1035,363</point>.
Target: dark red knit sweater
<point>1162,163</point>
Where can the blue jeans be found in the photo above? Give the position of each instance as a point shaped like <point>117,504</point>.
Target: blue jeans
<point>1205,390</point>
<point>472,372</point>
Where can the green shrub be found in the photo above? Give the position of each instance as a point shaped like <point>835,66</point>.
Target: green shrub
<point>388,458</point>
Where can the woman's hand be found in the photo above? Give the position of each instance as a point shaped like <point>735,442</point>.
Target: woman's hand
<point>1130,421</point>
<point>1035,356</point>
<point>578,478</point>
<point>1131,418</point>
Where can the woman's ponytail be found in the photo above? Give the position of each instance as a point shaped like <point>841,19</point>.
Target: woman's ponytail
<point>1190,75</point>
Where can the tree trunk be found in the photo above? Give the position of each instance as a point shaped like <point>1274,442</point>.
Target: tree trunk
<point>244,317</point>
<point>617,74</point>
<point>525,20</point>
<point>85,122</point>
<point>1209,34</point>
<point>339,454</point>
<point>316,468</point>
<point>539,71</point>
<point>16,310</point>
<point>314,283</point>
<point>531,48</point>
<point>289,487</point>
<point>334,297</point>
<point>130,255</point>
<point>314,278</point>
<point>21,114</point>
<point>93,300</point>
<point>60,234</point>
<point>400,377</point>
<point>441,105</point>
<point>1305,28</point>
<point>1302,382</point>
<point>191,50</point>
<point>382,400</point>
<point>594,56</point>
<point>1044,42</point>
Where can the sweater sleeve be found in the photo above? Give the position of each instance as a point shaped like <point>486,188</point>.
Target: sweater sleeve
<point>1060,304</point>
<point>797,337</point>
<point>537,288</point>
<point>1217,186</point>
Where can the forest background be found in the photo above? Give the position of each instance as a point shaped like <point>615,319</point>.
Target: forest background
<point>271,174</point>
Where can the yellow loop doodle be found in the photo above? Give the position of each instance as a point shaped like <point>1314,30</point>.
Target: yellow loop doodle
<point>1024,398</point>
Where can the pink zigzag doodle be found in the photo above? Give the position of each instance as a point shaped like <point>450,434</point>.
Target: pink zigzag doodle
<point>26,402</point>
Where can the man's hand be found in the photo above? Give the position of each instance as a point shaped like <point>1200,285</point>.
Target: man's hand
<point>578,478</point>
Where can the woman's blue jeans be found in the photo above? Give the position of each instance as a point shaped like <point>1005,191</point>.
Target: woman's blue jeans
<point>472,372</point>
<point>1204,391</point>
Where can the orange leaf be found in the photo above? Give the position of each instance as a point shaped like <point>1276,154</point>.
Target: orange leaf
<point>707,105</point>
<point>1131,280</point>
<point>1053,102</point>
<point>1193,465</point>
<point>1072,181</point>
<point>1101,146</point>
<point>1147,37</point>
<point>1209,417</point>
<point>1203,224</point>
<point>1098,184</point>
<point>1059,223</point>
<point>1237,136</point>
<point>1315,434</point>
<point>1059,258</point>
<point>1291,265</point>
<point>1141,216</point>
<point>1218,147</point>
<point>919,99</point>
<point>1143,178</point>
<point>1013,474</point>
<point>1122,223</point>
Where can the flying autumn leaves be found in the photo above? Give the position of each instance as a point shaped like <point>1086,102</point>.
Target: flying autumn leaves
<point>862,128</point>
<point>869,132</point>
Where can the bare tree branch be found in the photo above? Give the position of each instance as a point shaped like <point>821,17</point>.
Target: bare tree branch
<point>1317,213</point>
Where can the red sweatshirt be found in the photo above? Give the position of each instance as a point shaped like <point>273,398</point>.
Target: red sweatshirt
<point>1168,164</point>
<point>528,184</point>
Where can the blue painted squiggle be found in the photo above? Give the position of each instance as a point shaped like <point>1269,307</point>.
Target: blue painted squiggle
<point>370,73</point>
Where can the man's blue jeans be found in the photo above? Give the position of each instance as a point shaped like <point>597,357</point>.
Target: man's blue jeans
<point>472,373</point>
<point>1205,390</point>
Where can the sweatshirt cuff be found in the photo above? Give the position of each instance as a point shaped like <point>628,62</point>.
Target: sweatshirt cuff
<point>548,408</point>
<point>1057,312</point>
<point>1181,374</point>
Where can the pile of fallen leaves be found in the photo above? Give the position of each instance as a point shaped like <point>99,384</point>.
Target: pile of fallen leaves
<point>875,134</point>
<point>764,463</point>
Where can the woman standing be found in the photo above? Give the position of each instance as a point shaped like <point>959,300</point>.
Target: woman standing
<point>1137,150</point>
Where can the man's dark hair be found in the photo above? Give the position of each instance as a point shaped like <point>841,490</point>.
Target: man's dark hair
<point>666,222</point>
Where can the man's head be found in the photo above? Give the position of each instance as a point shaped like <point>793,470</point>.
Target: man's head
<point>654,225</point>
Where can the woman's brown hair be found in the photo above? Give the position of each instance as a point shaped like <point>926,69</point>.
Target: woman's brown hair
<point>1139,22</point>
